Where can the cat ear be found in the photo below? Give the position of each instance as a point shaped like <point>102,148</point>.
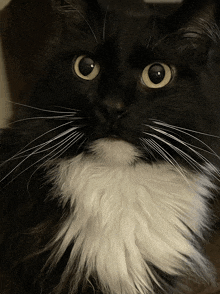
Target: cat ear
<point>200,19</point>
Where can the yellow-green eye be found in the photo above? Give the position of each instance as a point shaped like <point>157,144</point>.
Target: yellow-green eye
<point>156,75</point>
<point>86,68</point>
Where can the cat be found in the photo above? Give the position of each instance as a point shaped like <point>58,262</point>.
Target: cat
<point>110,164</point>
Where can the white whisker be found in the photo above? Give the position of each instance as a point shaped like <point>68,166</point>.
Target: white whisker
<point>149,151</point>
<point>158,149</point>
<point>73,110</point>
<point>184,129</point>
<point>22,151</point>
<point>71,143</point>
<point>41,109</point>
<point>36,149</point>
<point>189,146</point>
<point>197,139</point>
<point>61,117</point>
<point>74,139</point>
<point>45,144</point>
<point>165,155</point>
<point>19,164</point>
<point>34,153</point>
<point>184,155</point>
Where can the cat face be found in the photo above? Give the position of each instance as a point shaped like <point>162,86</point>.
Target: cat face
<point>140,78</point>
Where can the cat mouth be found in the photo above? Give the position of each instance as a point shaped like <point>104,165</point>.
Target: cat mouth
<point>114,132</point>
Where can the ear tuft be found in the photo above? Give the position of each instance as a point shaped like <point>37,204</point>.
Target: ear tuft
<point>65,6</point>
<point>74,10</point>
<point>204,22</point>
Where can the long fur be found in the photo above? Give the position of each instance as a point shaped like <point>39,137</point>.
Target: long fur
<point>121,214</point>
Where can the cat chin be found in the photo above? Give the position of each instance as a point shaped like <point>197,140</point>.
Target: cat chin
<point>124,218</point>
<point>114,151</point>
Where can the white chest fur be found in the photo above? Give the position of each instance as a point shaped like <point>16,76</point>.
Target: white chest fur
<point>126,216</point>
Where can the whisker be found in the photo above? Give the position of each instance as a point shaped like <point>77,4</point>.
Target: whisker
<point>59,153</point>
<point>143,140</point>
<point>83,142</point>
<point>33,153</point>
<point>57,137</point>
<point>165,155</point>
<point>184,155</point>
<point>41,109</point>
<point>19,164</point>
<point>21,151</point>
<point>61,117</point>
<point>36,149</point>
<point>44,150</point>
<point>190,146</point>
<point>160,151</point>
<point>68,108</point>
<point>151,144</point>
<point>189,159</point>
<point>184,129</point>
<point>76,139</point>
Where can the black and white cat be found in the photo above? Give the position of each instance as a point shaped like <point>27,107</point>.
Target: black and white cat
<point>110,167</point>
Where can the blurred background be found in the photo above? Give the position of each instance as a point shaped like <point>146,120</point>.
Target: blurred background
<point>4,92</point>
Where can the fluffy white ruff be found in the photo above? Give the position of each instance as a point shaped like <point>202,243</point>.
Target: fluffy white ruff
<point>125,216</point>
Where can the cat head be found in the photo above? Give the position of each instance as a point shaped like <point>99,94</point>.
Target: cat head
<point>131,75</point>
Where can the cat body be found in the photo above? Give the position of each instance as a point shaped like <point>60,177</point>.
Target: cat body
<point>110,166</point>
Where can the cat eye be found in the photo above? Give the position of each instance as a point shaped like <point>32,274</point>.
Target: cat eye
<point>156,75</point>
<point>85,67</point>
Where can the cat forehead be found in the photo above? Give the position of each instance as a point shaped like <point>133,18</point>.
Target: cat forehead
<point>119,31</point>
<point>127,31</point>
<point>98,24</point>
<point>122,33</point>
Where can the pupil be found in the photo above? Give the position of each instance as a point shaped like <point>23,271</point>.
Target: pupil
<point>156,73</point>
<point>86,66</point>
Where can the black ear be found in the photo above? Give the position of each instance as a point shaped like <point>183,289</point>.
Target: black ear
<point>199,18</point>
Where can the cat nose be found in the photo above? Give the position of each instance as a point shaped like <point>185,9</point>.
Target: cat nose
<point>114,106</point>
